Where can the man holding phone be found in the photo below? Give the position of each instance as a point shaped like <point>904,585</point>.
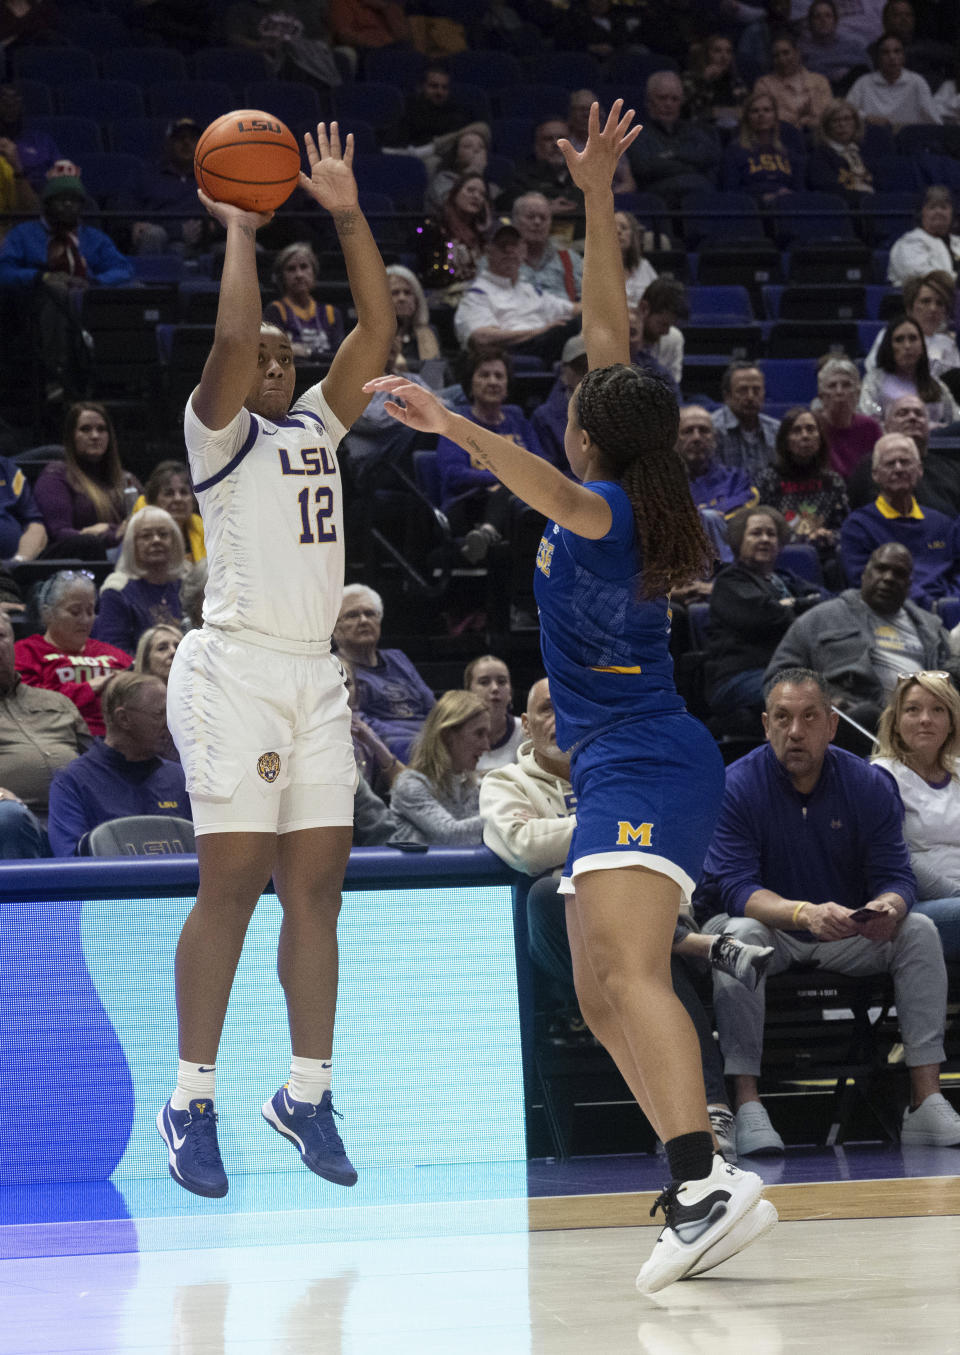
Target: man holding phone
<point>808,857</point>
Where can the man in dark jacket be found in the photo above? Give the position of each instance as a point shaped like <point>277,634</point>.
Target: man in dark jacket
<point>672,156</point>
<point>863,640</point>
<point>808,856</point>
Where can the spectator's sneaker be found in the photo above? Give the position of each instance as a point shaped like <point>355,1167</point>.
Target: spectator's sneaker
<point>740,960</point>
<point>699,1214</point>
<point>724,1128</point>
<point>313,1131</point>
<point>934,1124</point>
<point>755,1133</point>
<point>755,1223</point>
<point>191,1139</point>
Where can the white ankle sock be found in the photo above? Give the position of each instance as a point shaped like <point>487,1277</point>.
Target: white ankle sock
<point>195,1082</point>
<point>309,1079</point>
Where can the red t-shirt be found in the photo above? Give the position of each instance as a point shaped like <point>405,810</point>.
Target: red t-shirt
<point>42,664</point>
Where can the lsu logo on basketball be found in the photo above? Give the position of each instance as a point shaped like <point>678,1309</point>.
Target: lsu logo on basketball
<point>268,766</point>
<point>627,834</point>
<point>260,125</point>
<point>545,556</point>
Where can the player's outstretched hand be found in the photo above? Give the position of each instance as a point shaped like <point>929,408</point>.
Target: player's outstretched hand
<point>331,180</point>
<point>225,212</point>
<point>420,409</point>
<point>593,167</point>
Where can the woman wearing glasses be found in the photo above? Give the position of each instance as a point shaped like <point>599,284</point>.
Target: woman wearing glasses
<point>917,743</point>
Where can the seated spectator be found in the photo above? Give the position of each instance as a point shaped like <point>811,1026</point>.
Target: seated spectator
<point>155,650</point>
<point>22,533</point>
<point>939,483</point>
<point>800,95</point>
<point>891,96</point>
<point>713,88</point>
<point>25,22</point>
<point>798,891</point>
<point>418,338</point>
<point>529,814</point>
<point>313,330</point>
<point>58,256</point>
<point>655,338</point>
<point>39,733</point>
<point>83,497</point>
<point>430,111</point>
<point>757,161</point>
<point>144,589</point>
<point>827,52</point>
<point>751,607</point>
<point>917,743</point>
<point>468,154</point>
<point>466,220</point>
<point>499,309</point>
<point>64,658</point>
<point>946,100</point>
<point>672,156</point>
<point>850,436</point>
<point>932,538</point>
<point>746,437</point>
<point>293,36</point>
<point>377,766</point>
<point>549,420</point>
<point>578,127</point>
<point>439,793</point>
<point>931,246</point>
<point>369,24</point>
<point>36,150</point>
<point>811,497</point>
<point>391,697</point>
<point>930,300</point>
<point>903,368</point>
<point>479,507</point>
<point>16,192</point>
<point>170,488</point>
<point>863,641</point>
<point>859,20</point>
<point>489,678</point>
<point>712,485</point>
<point>169,185</point>
<point>545,172</point>
<point>638,272</point>
<point>597,27</point>
<point>122,775</point>
<point>922,52</point>
<point>837,164</point>
<point>545,266</point>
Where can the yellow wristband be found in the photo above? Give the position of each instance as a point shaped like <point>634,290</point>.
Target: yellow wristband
<point>796,913</point>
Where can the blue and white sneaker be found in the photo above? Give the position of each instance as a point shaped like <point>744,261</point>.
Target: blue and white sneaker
<point>312,1129</point>
<point>191,1139</point>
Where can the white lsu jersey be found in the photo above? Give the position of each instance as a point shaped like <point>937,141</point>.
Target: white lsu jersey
<point>270,496</point>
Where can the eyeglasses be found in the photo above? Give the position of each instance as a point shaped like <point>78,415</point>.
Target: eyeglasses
<point>922,673</point>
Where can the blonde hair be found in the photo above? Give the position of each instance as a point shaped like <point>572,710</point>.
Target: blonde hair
<point>127,567</point>
<point>889,741</point>
<point>141,660</point>
<point>430,755</point>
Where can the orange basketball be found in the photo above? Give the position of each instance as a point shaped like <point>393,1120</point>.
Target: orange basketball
<point>248,158</point>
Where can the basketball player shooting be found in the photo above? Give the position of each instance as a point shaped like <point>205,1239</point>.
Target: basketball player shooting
<point>256,702</point>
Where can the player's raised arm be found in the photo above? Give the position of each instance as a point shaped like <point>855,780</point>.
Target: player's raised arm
<point>363,353</point>
<point>606,323</point>
<point>232,361</point>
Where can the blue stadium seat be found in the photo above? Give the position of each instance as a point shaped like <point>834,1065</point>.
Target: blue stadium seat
<point>475,100</point>
<point>811,216</point>
<point>364,138</point>
<point>918,138</point>
<point>698,615</point>
<point>634,69</point>
<point>649,209</point>
<point>427,472</point>
<point>868,331</point>
<point>398,66</point>
<point>373,203</point>
<point>403,178</point>
<point>827,301</point>
<point>876,295</point>
<point>57,66</point>
<point>204,100</point>
<point>719,304</point>
<point>489,70</point>
<point>37,97</point>
<point>532,101</point>
<point>103,100</point>
<point>109,174</point>
<point>948,610</point>
<point>888,215</point>
<point>771,296</point>
<point>143,65</point>
<point>791,381</point>
<point>236,66</point>
<point>138,136</point>
<point>95,29</point>
<point>938,169</point>
<point>803,560</point>
<point>572,70</point>
<point>380,105</point>
<point>717,216</point>
<point>157,267</point>
<point>513,137</point>
<point>896,174</point>
<point>74,136</point>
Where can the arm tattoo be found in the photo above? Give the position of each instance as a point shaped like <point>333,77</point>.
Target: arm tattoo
<point>346,222</point>
<point>480,457</point>
<point>248,231</point>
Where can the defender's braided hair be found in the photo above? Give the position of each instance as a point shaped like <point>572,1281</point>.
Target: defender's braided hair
<point>632,417</point>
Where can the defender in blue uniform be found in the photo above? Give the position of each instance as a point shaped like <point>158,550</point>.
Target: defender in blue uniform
<point>647,776</point>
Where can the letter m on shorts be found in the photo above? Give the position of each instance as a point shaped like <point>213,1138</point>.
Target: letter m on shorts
<point>627,833</point>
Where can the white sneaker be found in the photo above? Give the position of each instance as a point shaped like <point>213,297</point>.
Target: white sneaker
<point>698,1214</point>
<point>755,1133</point>
<point>934,1124</point>
<point>724,1128</point>
<point>757,1222</point>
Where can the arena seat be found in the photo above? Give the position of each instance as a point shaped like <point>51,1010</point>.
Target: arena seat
<point>713,215</point>
<point>403,178</point>
<point>821,261</point>
<point>109,174</point>
<point>74,136</point>
<point>719,304</point>
<point>752,264</point>
<point>237,66</point>
<point>572,70</point>
<point>489,70</point>
<point>204,100</point>
<point>397,66</point>
<point>56,66</point>
<point>138,136</point>
<point>888,215</point>
<point>800,338</point>
<point>512,137</point>
<point>104,100</point>
<point>140,835</point>
<point>948,610</point>
<point>801,559</point>
<point>37,97</point>
<point>143,65</point>
<point>380,105</point>
<point>537,101</point>
<point>811,216</point>
<point>790,381</point>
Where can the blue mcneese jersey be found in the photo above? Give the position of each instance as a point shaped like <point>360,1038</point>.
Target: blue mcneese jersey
<point>606,651</point>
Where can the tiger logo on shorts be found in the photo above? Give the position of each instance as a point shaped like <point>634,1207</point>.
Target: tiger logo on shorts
<point>268,765</point>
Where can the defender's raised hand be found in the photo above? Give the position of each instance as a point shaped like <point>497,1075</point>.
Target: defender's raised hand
<point>331,181</point>
<point>420,409</point>
<point>592,169</point>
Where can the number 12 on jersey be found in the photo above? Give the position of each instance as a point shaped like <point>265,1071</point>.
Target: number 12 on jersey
<point>320,528</point>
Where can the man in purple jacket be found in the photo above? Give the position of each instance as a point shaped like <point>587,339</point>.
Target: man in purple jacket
<point>808,857</point>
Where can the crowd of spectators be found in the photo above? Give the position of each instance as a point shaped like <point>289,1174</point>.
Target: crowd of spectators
<point>860,477</point>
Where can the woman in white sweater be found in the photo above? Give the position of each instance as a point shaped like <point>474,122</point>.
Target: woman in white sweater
<point>918,740</point>
<point>439,793</point>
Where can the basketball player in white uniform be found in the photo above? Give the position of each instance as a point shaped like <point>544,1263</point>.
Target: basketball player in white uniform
<point>256,702</point>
